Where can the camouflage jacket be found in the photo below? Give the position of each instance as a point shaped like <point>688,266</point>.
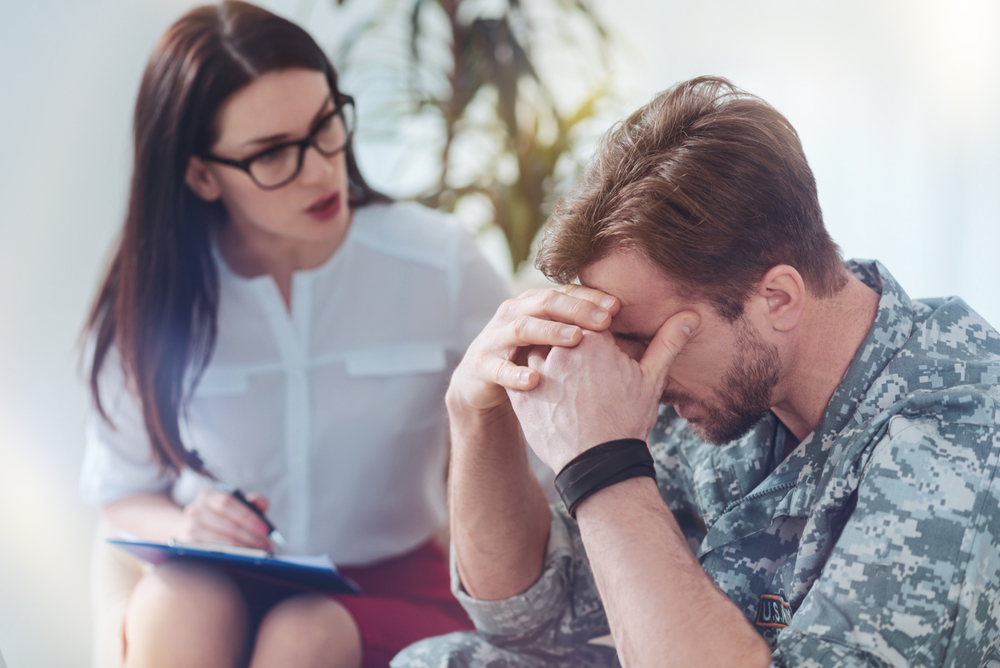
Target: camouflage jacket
<point>876,542</point>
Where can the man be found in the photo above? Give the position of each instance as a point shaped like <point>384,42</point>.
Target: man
<point>825,460</point>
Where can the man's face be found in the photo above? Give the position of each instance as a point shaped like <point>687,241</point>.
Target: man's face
<point>722,380</point>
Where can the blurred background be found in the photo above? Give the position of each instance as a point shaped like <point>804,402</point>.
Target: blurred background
<point>897,103</point>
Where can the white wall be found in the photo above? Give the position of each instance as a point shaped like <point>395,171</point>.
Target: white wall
<point>898,106</point>
<point>897,102</point>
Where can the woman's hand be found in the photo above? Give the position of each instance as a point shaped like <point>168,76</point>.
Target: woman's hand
<point>216,517</point>
<point>496,360</point>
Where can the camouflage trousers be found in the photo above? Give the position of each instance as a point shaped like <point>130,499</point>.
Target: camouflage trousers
<point>472,650</point>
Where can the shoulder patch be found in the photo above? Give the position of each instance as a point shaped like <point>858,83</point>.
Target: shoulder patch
<point>773,612</point>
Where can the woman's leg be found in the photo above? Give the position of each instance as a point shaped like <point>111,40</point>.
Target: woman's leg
<point>307,631</point>
<point>188,615</point>
<point>405,599</point>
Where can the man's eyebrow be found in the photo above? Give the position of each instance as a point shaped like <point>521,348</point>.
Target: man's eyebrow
<point>323,109</point>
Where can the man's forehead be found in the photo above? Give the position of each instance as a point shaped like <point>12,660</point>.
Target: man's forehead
<point>648,296</point>
<point>624,271</point>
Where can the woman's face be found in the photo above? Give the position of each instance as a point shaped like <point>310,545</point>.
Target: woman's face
<point>309,217</point>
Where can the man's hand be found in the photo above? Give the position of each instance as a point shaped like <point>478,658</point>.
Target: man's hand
<point>499,513</point>
<point>495,360</point>
<point>594,393</point>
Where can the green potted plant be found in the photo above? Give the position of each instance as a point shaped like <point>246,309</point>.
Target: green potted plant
<point>474,78</point>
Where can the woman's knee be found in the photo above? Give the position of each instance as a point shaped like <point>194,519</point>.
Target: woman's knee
<point>308,630</point>
<point>186,608</point>
<point>189,590</point>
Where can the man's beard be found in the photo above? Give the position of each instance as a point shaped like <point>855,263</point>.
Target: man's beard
<point>744,394</point>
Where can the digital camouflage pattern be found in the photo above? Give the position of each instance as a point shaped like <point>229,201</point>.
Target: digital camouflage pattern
<point>876,542</point>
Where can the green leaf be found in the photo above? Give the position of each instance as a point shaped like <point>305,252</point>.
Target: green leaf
<point>492,71</point>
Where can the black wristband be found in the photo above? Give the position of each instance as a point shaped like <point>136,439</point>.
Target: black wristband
<point>602,466</point>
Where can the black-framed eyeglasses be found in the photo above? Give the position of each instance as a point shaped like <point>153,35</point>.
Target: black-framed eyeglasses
<point>278,165</point>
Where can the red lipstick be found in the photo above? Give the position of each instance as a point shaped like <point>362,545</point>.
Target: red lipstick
<point>325,207</point>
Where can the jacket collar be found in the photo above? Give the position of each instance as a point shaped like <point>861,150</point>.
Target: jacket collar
<point>753,494</point>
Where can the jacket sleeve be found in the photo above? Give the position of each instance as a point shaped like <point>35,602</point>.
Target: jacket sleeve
<point>558,614</point>
<point>562,611</point>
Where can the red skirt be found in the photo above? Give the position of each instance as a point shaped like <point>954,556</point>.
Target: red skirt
<point>405,600</point>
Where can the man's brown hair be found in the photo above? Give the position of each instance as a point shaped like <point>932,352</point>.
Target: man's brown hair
<point>709,183</point>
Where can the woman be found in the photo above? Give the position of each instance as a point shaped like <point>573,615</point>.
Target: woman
<point>268,310</point>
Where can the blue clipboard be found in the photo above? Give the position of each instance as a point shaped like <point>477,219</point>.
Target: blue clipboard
<point>305,573</point>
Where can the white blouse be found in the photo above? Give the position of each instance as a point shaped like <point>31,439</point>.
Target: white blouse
<point>333,409</point>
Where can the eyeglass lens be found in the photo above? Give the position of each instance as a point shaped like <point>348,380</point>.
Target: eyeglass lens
<point>282,163</point>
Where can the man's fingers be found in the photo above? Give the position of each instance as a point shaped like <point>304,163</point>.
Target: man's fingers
<point>572,305</point>
<point>667,344</point>
<point>512,376</point>
<point>531,331</point>
<point>601,299</point>
<point>550,318</point>
<point>536,357</point>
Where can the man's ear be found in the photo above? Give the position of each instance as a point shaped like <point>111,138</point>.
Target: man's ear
<point>783,294</point>
<point>200,179</point>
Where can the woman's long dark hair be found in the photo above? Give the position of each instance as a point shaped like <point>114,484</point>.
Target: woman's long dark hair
<point>158,301</point>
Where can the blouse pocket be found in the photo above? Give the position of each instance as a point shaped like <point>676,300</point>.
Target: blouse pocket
<point>407,358</point>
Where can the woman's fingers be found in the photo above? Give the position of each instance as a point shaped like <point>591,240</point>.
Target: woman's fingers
<point>215,516</point>
<point>258,500</point>
<point>232,516</point>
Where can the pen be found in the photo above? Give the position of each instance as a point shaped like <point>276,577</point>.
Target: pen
<point>273,532</point>
<point>238,494</point>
